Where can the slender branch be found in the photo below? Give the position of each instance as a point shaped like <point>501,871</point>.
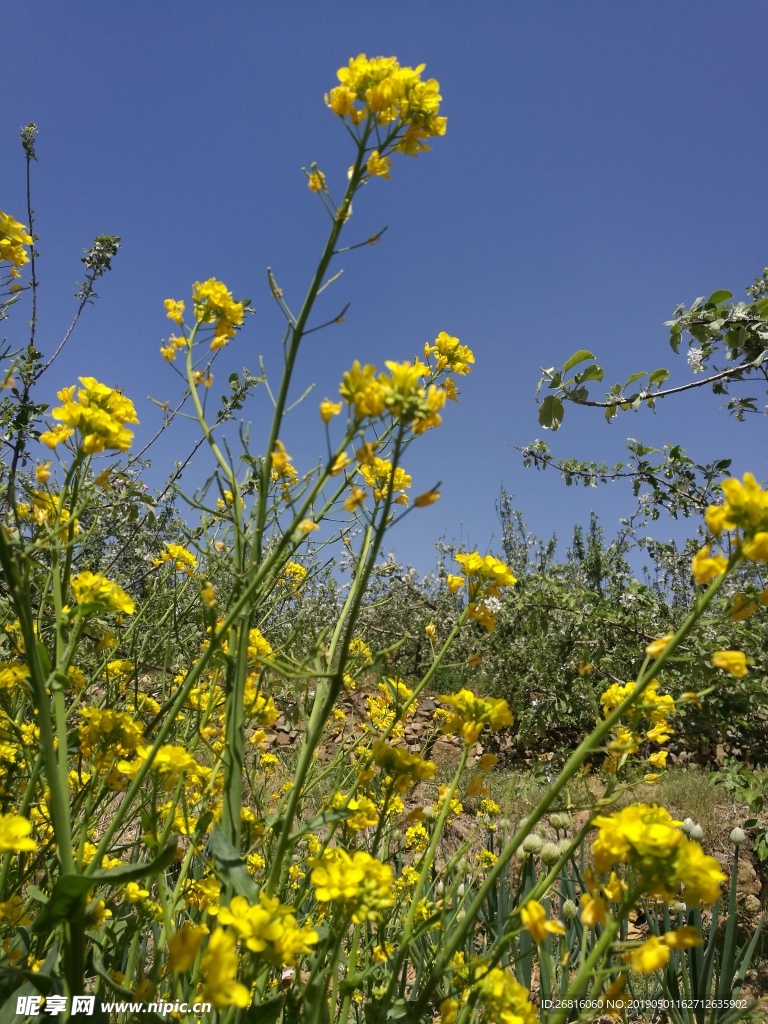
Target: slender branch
<point>645,395</point>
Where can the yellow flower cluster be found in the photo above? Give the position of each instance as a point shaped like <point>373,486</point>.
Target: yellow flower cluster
<point>450,354</point>
<point>380,89</point>
<point>269,929</point>
<point>486,576</point>
<point>384,478</point>
<point>258,647</point>
<point>219,968</point>
<point>92,587</point>
<point>98,413</point>
<point>106,734</point>
<point>746,509</point>
<point>360,883</point>
<point>407,392</point>
<point>181,559</point>
<point>13,237</point>
<point>655,707</point>
<point>504,999</point>
<point>649,840</point>
<point>405,768</point>
<point>470,714</point>
<point>12,674</point>
<point>213,303</point>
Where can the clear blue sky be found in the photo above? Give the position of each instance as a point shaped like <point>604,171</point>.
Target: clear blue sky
<point>604,161</point>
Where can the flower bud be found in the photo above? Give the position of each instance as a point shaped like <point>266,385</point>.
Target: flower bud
<point>558,820</point>
<point>550,853</point>
<point>687,826</point>
<point>461,889</point>
<point>696,833</point>
<point>440,888</point>
<point>569,910</point>
<point>532,843</point>
<point>738,836</point>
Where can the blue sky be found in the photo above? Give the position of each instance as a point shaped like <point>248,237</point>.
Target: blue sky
<point>604,161</point>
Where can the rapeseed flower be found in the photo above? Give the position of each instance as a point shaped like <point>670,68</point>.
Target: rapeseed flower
<point>14,834</point>
<point>503,999</point>
<point>213,303</point>
<point>358,882</point>
<point>181,559</point>
<point>269,929</point>
<point>650,841</point>
<point>219,969</point>
<point>534,918</point>
<point>470,715</point>
<point>93,588</point>
<point>380,89</point>
<point>98,414</point>
<point>734,662</point>
<point>13,238</point>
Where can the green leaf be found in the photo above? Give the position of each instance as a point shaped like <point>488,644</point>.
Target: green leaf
<point>131,872</point>
<point>68,893</point>
<point>592,372</point>
<point>634,377</point>
<point>230,865</point>
<point>577,357</point>
<point>551,413</point>
<point>658,376</point>
<point>722,295</point>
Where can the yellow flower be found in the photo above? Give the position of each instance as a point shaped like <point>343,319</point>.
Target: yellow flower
<point>175,310</point>
<point>454,582</point>
<point>182,560</point>
<point>359,882</point>
<point>705,566</point>
<point>380,89</point>
<point>307,526</point>
<point>649,957</point>
<point>99,415</point>
<point>14,834</point>
<point>471,714</point>
<point>316,181</point>
<point>43,472</point>
<point>13,237</point>
<point>428,498</point>
<point>756,549</point>
<point>378,165</point>
<point>184,946</point>
<point>269,929</point>
<point>329,409</point>
<point>653,650</point>
<point>214,304</point>
<point>534,918</point>
<point>734,662</point>
<point>593,910</point>
<point>407,769</point>
<point>361,389</point>
<point>504,1000</point>
<point>219,969</point>
<point>355,499</point>
<point>485,573</point>
<point>741,608</point>
<point>384,479</point>
<point>450,354</point>
<point>91,587</point>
